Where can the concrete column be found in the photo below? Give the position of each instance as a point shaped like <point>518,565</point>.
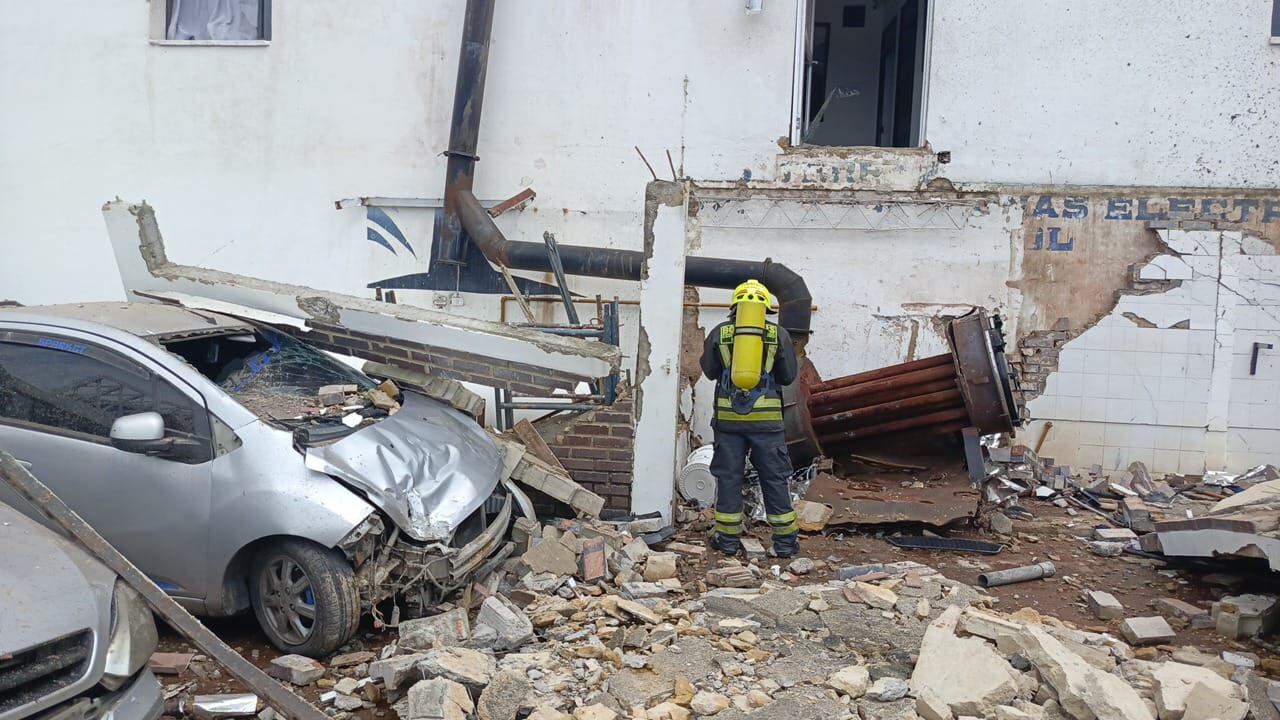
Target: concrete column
<point>657,382</point>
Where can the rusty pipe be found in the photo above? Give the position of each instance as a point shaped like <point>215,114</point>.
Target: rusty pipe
<point>883,373</point>
<point>898,393</point>
<point>911,423</point>
<point>464,128</point>
<point>846,394</point>
<point>933,401</point>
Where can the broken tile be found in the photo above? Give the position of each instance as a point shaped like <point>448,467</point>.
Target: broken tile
<point>1151,630</point>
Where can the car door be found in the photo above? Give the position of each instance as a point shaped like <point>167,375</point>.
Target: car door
<point>59,394</point>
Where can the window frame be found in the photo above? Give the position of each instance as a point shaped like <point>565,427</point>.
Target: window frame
<point>202,418</point>
<point>1275,22</point>
<point>161,10</point>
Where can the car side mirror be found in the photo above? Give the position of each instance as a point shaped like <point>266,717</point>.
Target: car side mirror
<point>140,433</point>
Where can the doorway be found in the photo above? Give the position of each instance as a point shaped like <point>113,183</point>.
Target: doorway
<point>863,73</point>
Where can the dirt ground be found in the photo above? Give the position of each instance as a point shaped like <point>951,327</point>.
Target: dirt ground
<point>1053,534</point>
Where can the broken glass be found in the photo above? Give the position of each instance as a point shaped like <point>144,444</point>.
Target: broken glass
<point>271,373</point>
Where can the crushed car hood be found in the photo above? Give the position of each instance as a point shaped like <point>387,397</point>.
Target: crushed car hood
<point>427,467</point>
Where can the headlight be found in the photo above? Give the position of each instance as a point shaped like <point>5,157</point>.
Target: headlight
<point>133,636</point>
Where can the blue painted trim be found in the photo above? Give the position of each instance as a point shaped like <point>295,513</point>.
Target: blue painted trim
<point>376,236</point>
<point>380,218</point>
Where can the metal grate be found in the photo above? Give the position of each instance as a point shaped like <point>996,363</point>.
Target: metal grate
<point>28,675</point>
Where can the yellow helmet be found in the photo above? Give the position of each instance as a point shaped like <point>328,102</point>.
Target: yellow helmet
<point>752,291</point>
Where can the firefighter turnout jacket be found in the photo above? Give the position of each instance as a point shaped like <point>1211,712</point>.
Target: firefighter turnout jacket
<point>779,369</point>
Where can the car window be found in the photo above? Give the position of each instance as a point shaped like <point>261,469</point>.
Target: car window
<point>268,372</point>
<point>80,388</point>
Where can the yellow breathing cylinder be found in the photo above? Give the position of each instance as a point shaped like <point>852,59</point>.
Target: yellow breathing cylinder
<point>750,302</point>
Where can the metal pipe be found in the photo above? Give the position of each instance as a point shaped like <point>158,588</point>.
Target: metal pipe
<point>843,395</point>
<point>464,129</point>
<point>1016,575</point>
<point>895,426</point>
<point>794,299</point>
<point>945,398</point>
<point>892,394</point>
<point>882,373</point>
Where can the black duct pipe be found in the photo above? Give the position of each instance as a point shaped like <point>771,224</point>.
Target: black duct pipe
<point>794,300</point>
<point>464,131</point>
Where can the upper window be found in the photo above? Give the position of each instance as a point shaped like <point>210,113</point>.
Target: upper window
<point>1275,21</point>
<point>863,73</point>
<point>215,21</point>
<point>81,389</point>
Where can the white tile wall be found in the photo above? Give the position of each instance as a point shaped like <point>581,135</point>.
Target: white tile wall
<point>1124,392</point>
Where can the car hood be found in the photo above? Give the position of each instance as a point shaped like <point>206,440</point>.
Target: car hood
<point>49,587</point>
<point>427,467</point>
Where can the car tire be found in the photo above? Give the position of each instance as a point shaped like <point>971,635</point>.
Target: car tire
<point>291,579</point>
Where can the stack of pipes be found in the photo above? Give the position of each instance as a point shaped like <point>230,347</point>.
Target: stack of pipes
<point>914,395</point>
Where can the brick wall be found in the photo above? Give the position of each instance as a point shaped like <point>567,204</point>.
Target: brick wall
<point>596,448</point>
<point>519,378</point>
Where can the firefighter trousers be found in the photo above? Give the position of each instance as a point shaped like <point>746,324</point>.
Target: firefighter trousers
<point>768,452</point>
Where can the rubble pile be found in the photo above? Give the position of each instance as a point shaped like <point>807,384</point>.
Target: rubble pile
<point>591,623</point>
<point>1187,516</point>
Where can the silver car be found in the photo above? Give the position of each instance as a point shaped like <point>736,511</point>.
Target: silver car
<point>74,640</point>
<point>198,445</point>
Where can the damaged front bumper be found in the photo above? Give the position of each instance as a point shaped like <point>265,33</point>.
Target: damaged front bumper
<point>422,572</point>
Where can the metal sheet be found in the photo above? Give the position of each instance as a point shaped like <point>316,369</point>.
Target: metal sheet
<point>428,466</point>
<point>875,502</point>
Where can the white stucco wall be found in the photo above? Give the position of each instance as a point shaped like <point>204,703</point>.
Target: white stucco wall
<point>1141,92</point>
<point>243,150</point>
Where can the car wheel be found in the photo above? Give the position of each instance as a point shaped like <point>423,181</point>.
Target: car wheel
<point>304,597</point>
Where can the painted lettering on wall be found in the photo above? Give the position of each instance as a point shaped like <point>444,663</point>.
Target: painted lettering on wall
<point>1058,218</point>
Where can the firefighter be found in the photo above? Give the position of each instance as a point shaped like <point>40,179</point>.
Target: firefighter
<point>751,359</point>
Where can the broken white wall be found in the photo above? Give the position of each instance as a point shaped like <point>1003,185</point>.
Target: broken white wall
<point>1165,377</point>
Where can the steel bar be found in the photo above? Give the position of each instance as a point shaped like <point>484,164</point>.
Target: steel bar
<point>38,494</point>
<point>845,394</point>
<point>936,400</point>
<point>882,373</point>
<point>1016,575</point>
<point>895,426</point>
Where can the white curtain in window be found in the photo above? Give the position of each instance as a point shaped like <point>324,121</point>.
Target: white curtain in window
<point>214,20</point>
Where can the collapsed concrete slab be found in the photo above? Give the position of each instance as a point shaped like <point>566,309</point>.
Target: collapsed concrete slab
<point>443,342</point>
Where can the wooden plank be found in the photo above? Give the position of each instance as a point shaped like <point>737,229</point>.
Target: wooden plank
<point>276,695</point>
<point>533,441</point>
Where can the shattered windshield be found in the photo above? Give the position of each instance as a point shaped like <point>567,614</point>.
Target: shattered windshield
<point>275,375</point>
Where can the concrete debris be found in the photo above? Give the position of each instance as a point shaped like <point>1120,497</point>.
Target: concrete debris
<point>852,681</point>
<point>436,699</point>
<point>812,516</point>
<point>443,630</point>
<point>965,673</point>
<point>295,669</point>
<point>1104,605</point>
<point>1243,616</point>
<point>888,689</point>
<point>1152,630</point>
<point>471,668</point>
<point>1083,691</point>
<point>532,471</point>
<point>513,629</point>
<point>1175,683</point>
